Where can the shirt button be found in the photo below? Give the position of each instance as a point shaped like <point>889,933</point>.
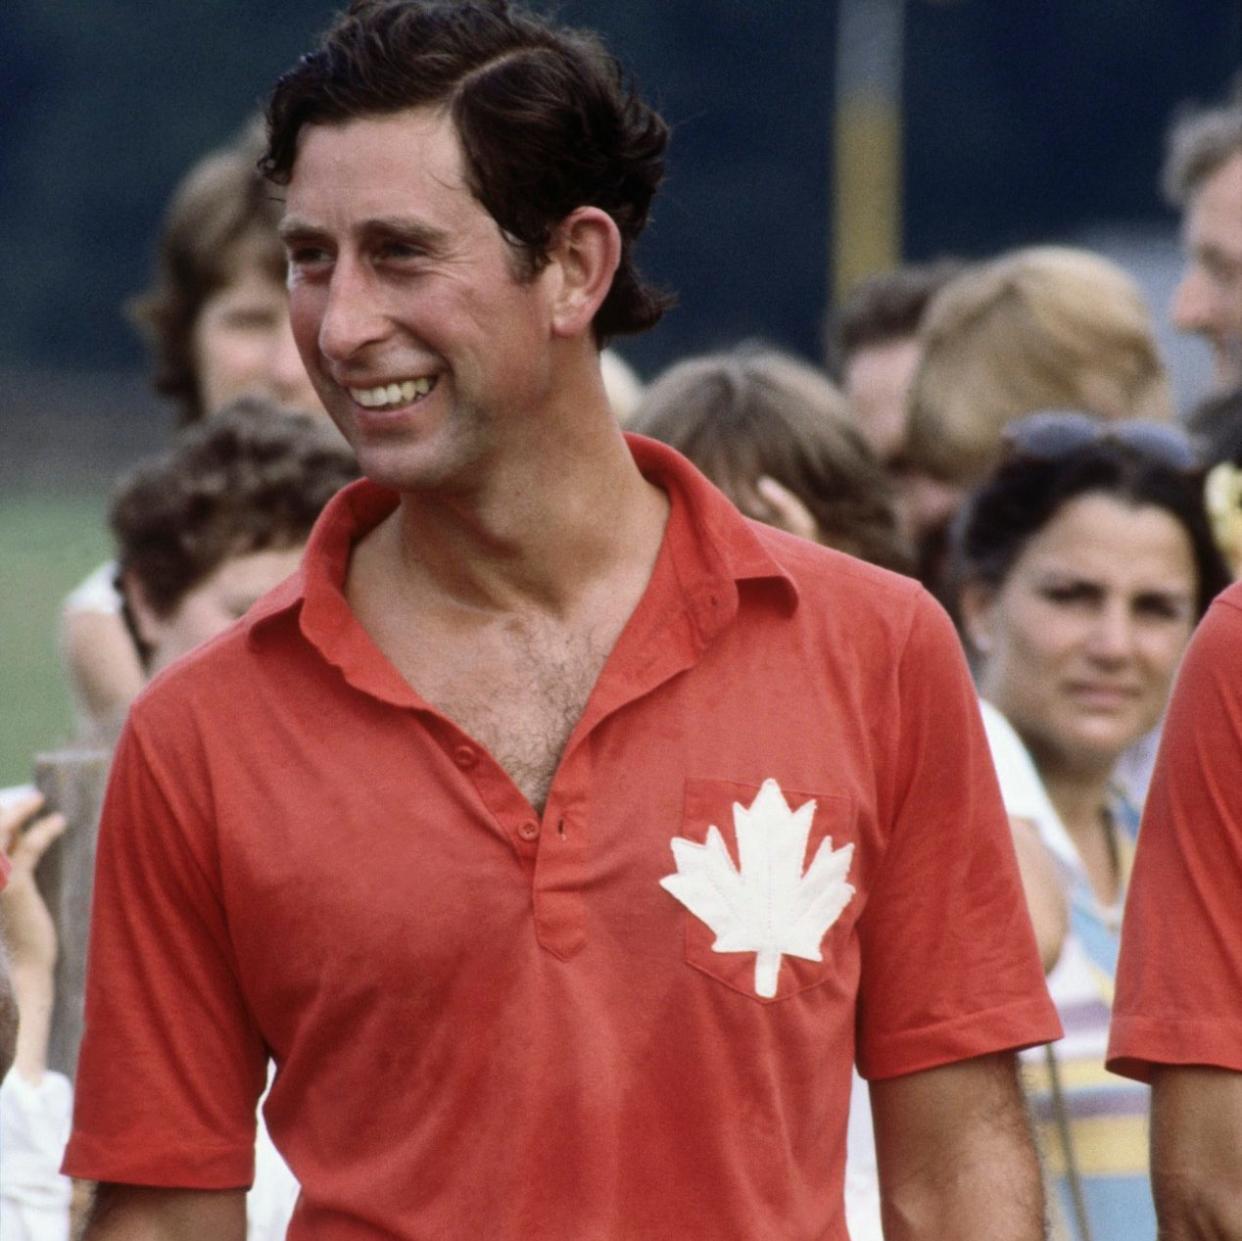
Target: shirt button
<point>529,830</point>
<point>465,757</point>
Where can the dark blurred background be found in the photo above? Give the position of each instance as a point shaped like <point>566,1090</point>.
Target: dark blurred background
<point>1024,120</point>
<point>1019,121</point>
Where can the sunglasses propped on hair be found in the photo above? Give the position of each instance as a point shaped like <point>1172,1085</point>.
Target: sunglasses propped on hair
<point>1051,435</point>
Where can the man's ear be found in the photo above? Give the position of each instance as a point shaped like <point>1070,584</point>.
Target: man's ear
<point>977,606</point>
<point>150,625</point>
<point>586,253</point>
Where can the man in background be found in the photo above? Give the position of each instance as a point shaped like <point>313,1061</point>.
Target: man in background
<point>1203,176</point>
<point>875,348</point>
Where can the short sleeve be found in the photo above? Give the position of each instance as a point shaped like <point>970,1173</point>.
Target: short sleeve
<point>949,964</point>
<point>1179,980</point>
<point>171,1064</point>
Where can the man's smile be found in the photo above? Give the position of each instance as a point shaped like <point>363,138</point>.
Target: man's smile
<point>403,392</point>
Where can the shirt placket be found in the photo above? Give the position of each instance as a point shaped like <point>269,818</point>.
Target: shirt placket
<point>554,848</point>
<point>659,651</point>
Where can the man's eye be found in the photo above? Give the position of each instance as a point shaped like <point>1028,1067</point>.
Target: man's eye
<point>401,251</point>
<point>307,256</point>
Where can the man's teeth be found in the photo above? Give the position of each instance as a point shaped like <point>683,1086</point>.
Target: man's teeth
<point>392,394</point>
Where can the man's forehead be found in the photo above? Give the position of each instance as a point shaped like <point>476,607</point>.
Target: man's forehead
<point>361,157</point>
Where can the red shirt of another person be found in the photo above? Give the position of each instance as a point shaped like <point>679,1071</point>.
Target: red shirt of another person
<point>492,1023</point>
<point>1179,979</point>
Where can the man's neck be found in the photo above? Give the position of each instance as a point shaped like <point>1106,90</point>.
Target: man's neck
<point>536,533</point>
<point>500,607</point>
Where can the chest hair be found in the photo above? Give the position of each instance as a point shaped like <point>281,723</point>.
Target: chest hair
<point>519,688</point>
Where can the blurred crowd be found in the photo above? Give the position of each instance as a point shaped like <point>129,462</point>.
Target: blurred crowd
<point>1001,429</point>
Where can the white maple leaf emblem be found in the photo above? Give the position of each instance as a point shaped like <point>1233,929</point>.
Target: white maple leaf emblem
<point>768,906</point>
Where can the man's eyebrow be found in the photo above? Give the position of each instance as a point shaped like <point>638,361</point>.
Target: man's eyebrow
<point>413,232</point>
<point>293,228</point>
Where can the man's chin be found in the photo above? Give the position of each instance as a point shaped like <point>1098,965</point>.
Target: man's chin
<point>410,471</point>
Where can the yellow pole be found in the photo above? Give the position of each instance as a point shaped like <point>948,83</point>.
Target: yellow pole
<point>867,184</point>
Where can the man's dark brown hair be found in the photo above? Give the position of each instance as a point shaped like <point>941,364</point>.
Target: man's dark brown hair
<point>545,118</point>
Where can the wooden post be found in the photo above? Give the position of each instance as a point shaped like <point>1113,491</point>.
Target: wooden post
<point>72,781</point>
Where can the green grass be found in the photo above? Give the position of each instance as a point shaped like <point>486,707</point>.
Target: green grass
<point>48,543</point>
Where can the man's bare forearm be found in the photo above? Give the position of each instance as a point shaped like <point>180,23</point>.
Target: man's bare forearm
<point>1196,1153</point>
<point>957,1158</point>
<point>139,1213</point>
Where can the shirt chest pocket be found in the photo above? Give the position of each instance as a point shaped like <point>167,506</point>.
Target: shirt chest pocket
<point>764,876</point>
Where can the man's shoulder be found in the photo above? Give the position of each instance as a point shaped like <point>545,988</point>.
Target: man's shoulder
<point>227,669</point>
<point>824,576</point>
<point>888,629</point>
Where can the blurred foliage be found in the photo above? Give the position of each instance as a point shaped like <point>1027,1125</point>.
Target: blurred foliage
<point>1024,117</point>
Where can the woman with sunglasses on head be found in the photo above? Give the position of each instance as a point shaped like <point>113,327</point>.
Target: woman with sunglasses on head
<point>1082,565</point>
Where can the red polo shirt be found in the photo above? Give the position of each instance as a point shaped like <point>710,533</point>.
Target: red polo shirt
<point>1179,978</point>
<point>492,1023</point>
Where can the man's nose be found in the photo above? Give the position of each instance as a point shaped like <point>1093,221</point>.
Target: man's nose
<point>351,318</point>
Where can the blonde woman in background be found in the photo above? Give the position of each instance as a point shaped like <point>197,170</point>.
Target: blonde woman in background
<point>1047,327</point>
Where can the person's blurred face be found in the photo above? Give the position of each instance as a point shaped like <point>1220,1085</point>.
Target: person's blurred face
<point>214,604</point>
<point>1081,641</point>
<point>877,383</point>
<point>877,379</point>
<point>1208,300</point>
<point>242,343</point>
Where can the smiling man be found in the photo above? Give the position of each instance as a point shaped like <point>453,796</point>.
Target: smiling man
<point>1203,176</point>
<point>563,836</point>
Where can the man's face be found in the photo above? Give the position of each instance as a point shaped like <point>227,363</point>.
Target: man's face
<point>877,380</point>
<point>1209,299</point>
<point>426,348</point>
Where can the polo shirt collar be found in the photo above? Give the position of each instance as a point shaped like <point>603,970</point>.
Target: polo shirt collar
<point>712,547</point>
